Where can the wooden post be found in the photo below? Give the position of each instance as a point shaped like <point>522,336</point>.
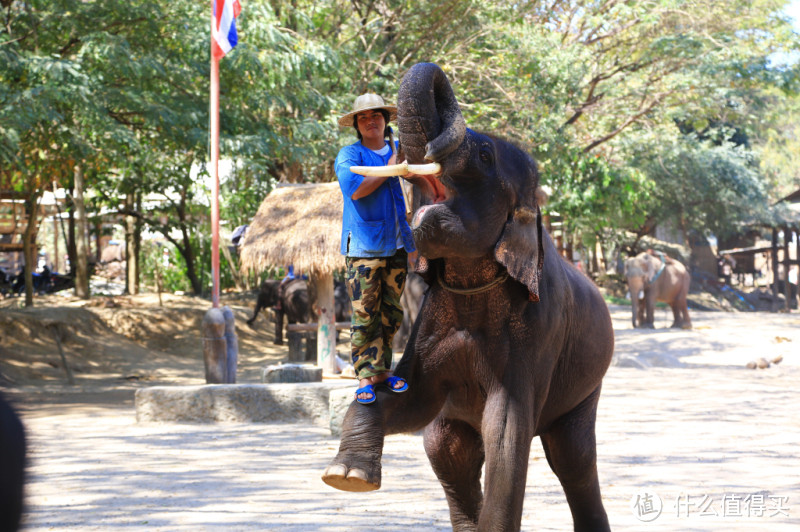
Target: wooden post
<point>295,342</point>
<point>326,332</point>
<point>774,304</point>
<point>797,263</point>
<point>786,265</point>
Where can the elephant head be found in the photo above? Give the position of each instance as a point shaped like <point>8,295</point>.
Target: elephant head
<point>483,200</point>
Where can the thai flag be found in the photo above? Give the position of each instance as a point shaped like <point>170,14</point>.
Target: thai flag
<point>223,28</point>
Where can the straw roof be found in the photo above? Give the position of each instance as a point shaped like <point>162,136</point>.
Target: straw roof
<point>299,225</point>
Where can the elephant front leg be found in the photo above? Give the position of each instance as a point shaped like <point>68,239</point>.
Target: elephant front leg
<point>507,434</point>
<point>357,466</point>
<point>455,451</point>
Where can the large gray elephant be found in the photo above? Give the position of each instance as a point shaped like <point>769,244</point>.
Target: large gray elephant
<point>511,342</point>
<point>655,277</point>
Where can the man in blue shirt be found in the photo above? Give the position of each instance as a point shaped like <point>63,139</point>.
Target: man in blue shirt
<point>376,241</point>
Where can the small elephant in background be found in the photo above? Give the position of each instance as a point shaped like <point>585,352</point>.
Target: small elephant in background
<point>652,276</point>
<point>296,303</point>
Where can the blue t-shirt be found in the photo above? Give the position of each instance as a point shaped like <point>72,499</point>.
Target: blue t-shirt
<point>370,224</point>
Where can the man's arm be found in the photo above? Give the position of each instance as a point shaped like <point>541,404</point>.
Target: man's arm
<point>371,183</point>
<point>368,186</point>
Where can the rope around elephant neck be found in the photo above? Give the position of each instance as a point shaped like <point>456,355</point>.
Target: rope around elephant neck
<point>501,278</point>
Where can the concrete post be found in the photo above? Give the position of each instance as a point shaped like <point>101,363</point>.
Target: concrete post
<point>215,347</point>
<point>232,345</point>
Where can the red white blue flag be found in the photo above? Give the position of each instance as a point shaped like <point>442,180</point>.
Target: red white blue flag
<point>223,28</point>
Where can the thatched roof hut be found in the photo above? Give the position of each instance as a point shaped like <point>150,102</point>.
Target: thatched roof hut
<point>299,225</point>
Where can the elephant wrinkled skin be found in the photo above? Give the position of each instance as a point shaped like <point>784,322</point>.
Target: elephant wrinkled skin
<point>511,342</point>
<point>654,278</point>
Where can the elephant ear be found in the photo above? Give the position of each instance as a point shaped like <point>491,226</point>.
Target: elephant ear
<point>520,248</point>
<point>649,264</point>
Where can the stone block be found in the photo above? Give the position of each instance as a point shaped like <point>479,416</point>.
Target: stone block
<point>243,403</point>
<point>291,373</point>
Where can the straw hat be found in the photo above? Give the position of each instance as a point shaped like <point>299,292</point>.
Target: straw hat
<point>366,102</point>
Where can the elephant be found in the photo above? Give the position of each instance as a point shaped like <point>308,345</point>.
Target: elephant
<point>12,464</point>
<point>411,301</point>
<point>511,342</point>
<point>296,303</point>
<point>655,277</point>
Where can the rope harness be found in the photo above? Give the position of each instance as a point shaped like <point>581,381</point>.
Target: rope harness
<point>501,278</point>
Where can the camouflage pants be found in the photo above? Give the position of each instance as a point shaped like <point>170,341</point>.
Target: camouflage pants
<point>375,286</point>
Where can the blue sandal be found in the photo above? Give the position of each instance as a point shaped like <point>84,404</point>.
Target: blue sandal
<point>392,381</point>
<point>366,389</point>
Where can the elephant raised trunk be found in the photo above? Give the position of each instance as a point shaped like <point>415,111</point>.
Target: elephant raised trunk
<point>429,119</point>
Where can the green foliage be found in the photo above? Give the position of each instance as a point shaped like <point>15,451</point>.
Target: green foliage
<point>702,185</point>
<point>592,88</point>
<point>160,259</point>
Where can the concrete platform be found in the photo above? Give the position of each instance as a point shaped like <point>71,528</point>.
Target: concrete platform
<point>244,403</point>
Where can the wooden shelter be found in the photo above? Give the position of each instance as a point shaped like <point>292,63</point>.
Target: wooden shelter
<point>301,225</point>
<point>780,256</point>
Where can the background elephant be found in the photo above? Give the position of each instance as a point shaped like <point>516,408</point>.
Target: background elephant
<point>296,303</point>
<point>512,342</point>
<point>655,277</point>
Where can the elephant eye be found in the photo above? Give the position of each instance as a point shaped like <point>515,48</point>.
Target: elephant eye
<point>486,156</point>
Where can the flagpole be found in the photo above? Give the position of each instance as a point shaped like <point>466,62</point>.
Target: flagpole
<point>214,119</point>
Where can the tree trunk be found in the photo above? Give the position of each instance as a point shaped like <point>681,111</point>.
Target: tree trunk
<point>132,228</point>
<point>71,252</point>
<point>29,247</point>
<point>98,235</point>
<point>188,257</point>
<point>81,246</point>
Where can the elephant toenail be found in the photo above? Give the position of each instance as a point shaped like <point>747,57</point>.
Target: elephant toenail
<point>335,470</point>
<point>359,474</point>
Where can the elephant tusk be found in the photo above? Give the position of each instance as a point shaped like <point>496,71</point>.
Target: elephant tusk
<point>425,169</point>
<point>397,169</point>
<point>381,171</point>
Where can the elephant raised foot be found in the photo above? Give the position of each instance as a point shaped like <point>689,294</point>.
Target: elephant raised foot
<point>342,477</point>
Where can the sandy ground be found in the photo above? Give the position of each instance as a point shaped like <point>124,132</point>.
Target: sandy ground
<point>682,426</point>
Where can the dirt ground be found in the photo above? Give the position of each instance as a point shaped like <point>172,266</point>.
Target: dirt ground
<point>683,427</point>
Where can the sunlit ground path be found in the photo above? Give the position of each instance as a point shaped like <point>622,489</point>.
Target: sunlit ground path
<point>714,443</point>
